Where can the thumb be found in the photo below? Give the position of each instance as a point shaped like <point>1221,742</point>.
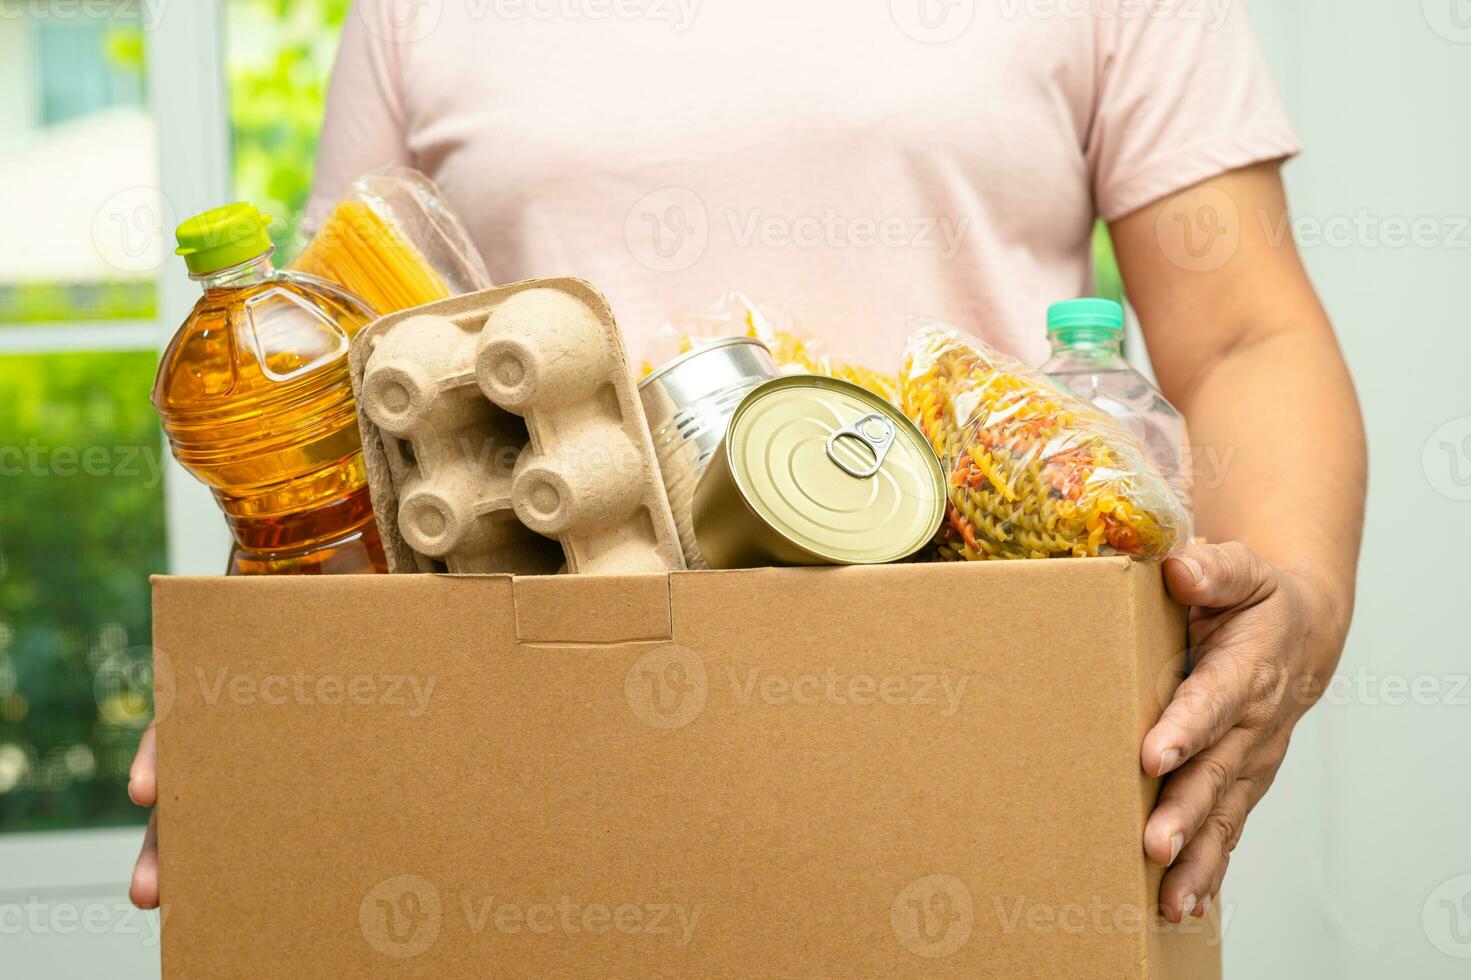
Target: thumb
<point>1218,576</point>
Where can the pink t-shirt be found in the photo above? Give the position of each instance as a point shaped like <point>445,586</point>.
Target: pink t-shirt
<point>853,161</point>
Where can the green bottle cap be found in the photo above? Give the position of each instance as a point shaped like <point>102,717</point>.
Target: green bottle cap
<point>223,237</point>
<point>1078,318</point>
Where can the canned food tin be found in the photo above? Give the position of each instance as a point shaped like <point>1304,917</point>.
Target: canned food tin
<point>689,402</point>
<point>817,471</point>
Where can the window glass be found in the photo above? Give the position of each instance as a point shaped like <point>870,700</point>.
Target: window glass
<point>74,81</point>
<point>81,496</point>
<point>81,528</point>
<point>279,57</point>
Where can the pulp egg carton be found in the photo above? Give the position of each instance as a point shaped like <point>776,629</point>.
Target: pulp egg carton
<point>503,432</point>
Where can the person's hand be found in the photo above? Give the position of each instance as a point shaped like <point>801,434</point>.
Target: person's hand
<point>143,790</point>
<point>1256,634</point>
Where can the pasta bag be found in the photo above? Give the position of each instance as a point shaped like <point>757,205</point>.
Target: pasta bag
<point>396,243</point>
<point>735,314</point>
<point>1033,470</point>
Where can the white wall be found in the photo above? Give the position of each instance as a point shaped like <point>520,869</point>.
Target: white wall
<point>1369,816</point>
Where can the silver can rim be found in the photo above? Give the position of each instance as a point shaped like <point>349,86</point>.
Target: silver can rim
<point>688,355</point>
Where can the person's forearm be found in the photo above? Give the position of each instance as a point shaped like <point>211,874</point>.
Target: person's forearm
<point>1280,463</point>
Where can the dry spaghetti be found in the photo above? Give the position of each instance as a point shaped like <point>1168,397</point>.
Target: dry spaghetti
<point>358,250</point>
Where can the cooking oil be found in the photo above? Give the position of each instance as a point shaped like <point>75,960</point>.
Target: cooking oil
<point>257,403</point>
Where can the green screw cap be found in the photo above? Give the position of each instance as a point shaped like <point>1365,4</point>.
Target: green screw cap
<point>223,237</point>
<point>1078,318</point>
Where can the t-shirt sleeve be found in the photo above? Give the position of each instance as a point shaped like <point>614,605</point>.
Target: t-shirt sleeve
<point>364,127</point>
<point>1183,95</point>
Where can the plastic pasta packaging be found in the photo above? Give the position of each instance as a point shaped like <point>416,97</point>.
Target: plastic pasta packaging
<point>395,243</point>
<point>1033,471</point>
<point>737,315</point>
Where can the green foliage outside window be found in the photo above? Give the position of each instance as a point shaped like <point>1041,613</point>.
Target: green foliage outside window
<point>280,57</point>
<point>81,528</point>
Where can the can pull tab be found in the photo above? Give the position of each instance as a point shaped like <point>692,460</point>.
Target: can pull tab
<point>875,432</point>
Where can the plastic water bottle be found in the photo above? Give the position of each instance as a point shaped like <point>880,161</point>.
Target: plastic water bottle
<point>1087,338</point>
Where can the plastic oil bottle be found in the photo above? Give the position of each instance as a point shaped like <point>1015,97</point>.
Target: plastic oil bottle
<point>256,400</point>
<point>1087,338</point>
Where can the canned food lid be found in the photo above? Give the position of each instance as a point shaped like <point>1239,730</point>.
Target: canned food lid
<point>836,470</point>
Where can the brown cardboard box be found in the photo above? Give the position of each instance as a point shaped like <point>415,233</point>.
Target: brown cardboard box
<point>904,771</point>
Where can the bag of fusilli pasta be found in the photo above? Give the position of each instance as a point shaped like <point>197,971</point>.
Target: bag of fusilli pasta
<point>1033,470</point>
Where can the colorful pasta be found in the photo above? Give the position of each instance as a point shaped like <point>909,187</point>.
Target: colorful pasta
<point>1034,472</point>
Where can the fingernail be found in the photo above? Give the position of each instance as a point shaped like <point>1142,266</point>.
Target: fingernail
<point>1168,760</point>
<point>1177,841</point>
<point>1196,572</point>
<point>1187,907</point>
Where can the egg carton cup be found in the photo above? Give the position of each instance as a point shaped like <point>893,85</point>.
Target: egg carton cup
<point>503,432</point>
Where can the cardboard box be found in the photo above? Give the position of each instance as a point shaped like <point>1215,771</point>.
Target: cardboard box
<point>901,771</point>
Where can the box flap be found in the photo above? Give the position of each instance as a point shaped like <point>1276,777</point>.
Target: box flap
<point>581,609</point>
